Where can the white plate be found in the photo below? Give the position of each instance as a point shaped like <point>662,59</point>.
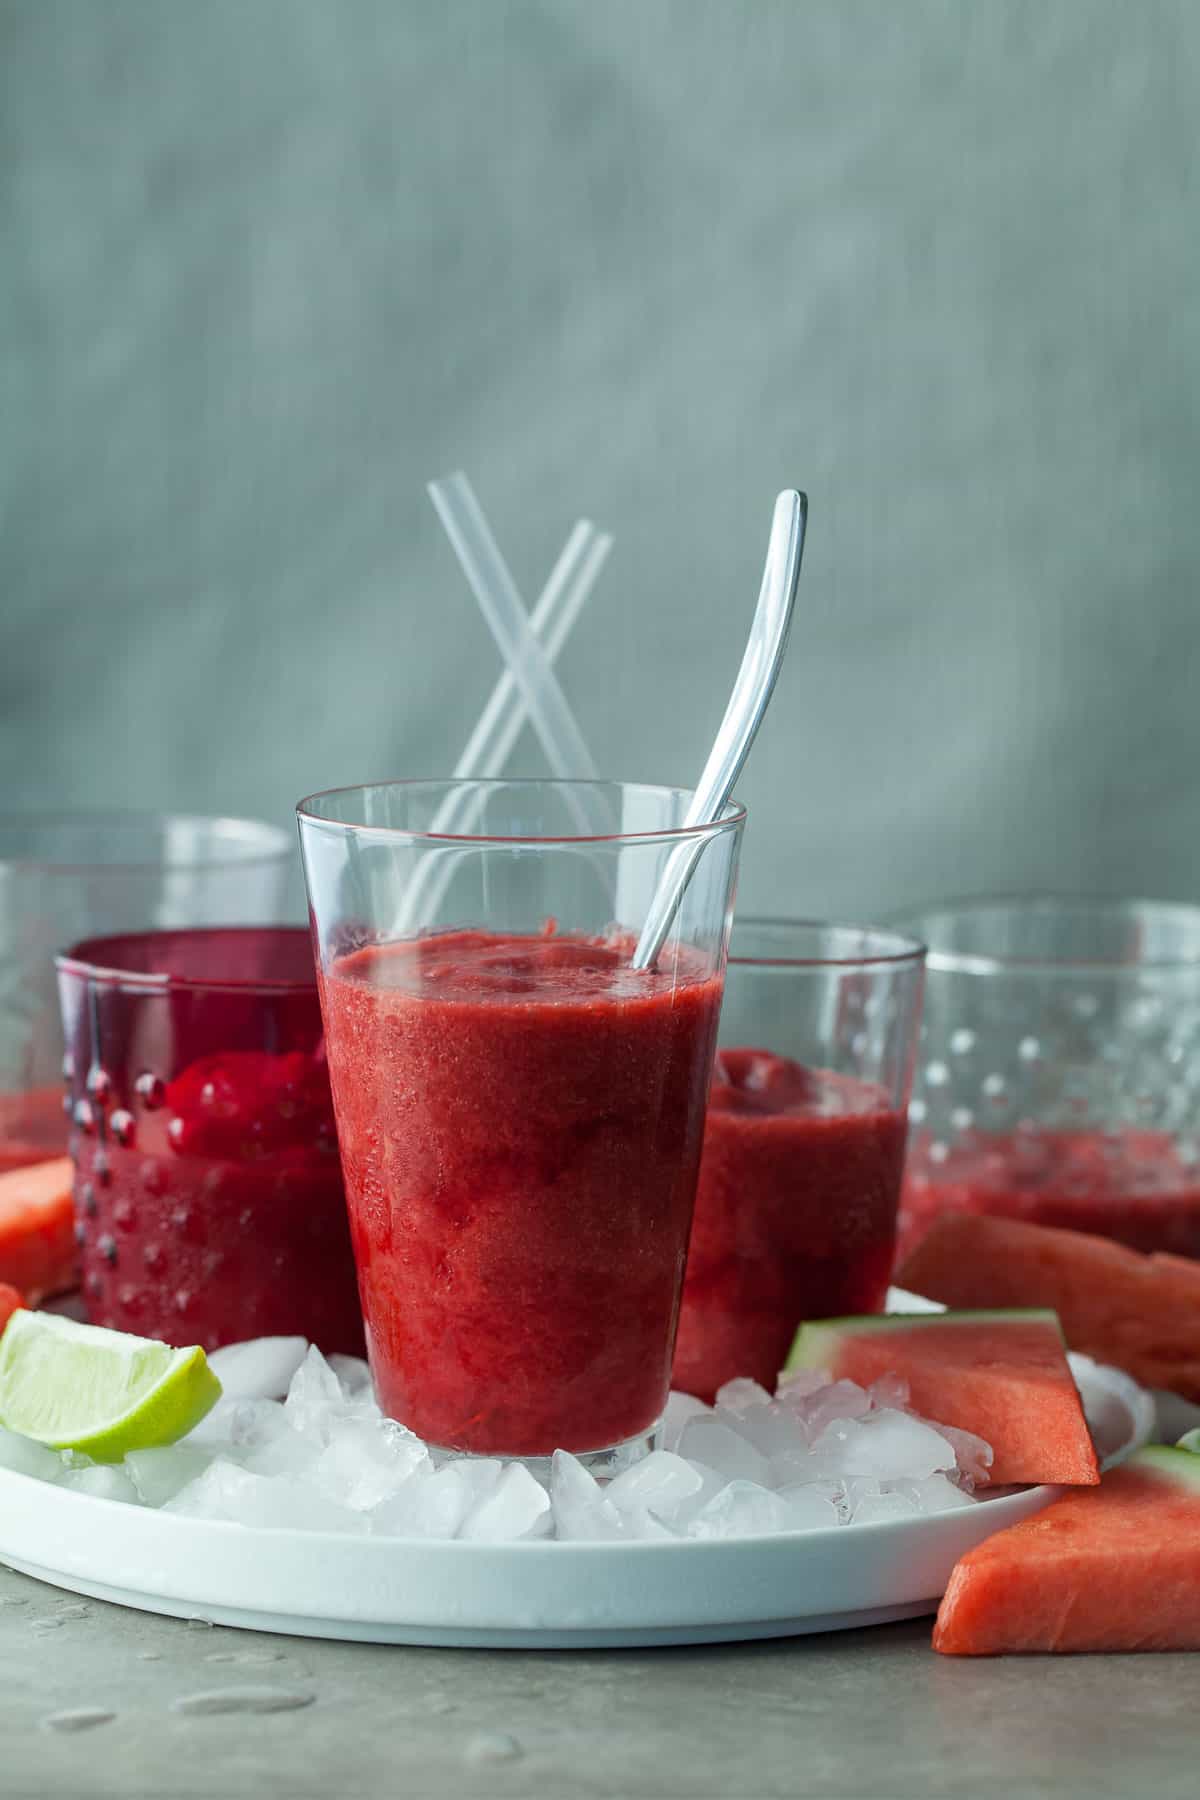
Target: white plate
<point>534,1595</point>
<point>496,1596</point>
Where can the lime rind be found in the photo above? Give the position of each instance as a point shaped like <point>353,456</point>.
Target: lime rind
<point>79,1387</point>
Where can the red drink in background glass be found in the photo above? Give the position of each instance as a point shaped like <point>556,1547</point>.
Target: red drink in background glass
<point>208,1192</point>
<point>1134,1186</point>
<point>803,1143</point>
<point>795,1214</point>
<point>520,1121</point>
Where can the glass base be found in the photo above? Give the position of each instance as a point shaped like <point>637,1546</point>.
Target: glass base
<point>603,1464</point>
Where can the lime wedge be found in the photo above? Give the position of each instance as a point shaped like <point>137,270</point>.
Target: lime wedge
<point>78,1387</point>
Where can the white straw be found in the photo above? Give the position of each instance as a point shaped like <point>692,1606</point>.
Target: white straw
<point>491,742</point>
<point>500,603</point>
<point>552,621</point>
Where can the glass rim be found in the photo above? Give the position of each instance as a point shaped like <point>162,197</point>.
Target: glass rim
<point>145,981</point>
<point>974,962</point>
<point>733,814</point>
<point>234,825</point>
<point>903,949</point>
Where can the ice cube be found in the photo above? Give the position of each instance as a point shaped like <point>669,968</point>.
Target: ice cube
<point>518,1506</point>
<point>739,1395</point>
<point>159,1475</point>
<point>215,1428</point>
<point>774,1430</point>
<point>742,1509</point>
<point>879,1509</point>
<point>431,1505</point>
<point>314,1397</point>
<point>259,1369</point>
<point>794,1386</point>
<point>973,1455</point>
<point>679,1409</point>
<point>889,1391</point>
<point>888,1445</point>
<point>810,1508</point>
<point>935,1494</point>
<point>581,1510</point>
<point>103,1482</point>
<point>353,1374</point>
<point>227,1491</point>
<point>839,1400</point>
<point>27,1458</point>
<point>712,1442</point>
<point>661,1480</point>
<point>364,1462</point>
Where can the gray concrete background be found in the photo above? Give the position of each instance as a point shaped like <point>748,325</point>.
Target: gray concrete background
<point>863,1715</point>
<point>267,265</point>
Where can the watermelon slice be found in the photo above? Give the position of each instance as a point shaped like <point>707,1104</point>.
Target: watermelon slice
<point>1002,1375</point>
<point>1115,1568</point>
<point>37,1232</point>
<point>9,1302</point>
<point>1141,1313</point>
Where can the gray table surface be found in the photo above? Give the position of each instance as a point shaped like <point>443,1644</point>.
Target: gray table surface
<point>840,1717</point>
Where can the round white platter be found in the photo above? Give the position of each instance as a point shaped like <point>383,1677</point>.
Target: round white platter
<point>537,1595</point>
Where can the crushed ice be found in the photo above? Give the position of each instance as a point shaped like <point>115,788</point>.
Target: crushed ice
<point>298,1442</point>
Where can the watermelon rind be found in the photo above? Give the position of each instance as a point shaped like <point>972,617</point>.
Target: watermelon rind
<point>818,1338</point>
<point>1180,1464</point>
<point>1190,1441</point>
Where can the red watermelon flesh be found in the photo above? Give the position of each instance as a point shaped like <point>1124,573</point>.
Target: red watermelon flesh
<point>9,1302</point>
<point>1002,1375</point>
<point>1141,1313</point>
<point>1111,1568</point>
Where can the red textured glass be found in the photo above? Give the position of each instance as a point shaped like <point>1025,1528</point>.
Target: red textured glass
<point>208,1192</point>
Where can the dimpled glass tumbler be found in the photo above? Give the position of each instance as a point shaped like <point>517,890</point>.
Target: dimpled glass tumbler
<point>1059,1074</point>
<point>208,1193</point>
<point>519,1110</point>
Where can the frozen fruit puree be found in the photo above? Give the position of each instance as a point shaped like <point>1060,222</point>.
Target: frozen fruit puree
<point>795,1214</point>
<point>519,1121</point>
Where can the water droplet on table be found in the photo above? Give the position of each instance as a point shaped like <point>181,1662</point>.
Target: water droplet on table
<point>80,1718</point>
<point>47,1623</point>
<point>149,1655</point>
<point>68,1610</point>
<point>218,1701</point>
<point>492,1747</point>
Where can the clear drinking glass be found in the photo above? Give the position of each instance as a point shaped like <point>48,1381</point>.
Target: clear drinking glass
<point>208,1193</point>
<point>519,1111</point>
<point>1059,1074</point>
<point>804,1143</point>
<point>73,875</point>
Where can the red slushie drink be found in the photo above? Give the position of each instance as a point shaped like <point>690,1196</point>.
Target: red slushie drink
<point>520,1121</point>
<point>795,1214</point>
